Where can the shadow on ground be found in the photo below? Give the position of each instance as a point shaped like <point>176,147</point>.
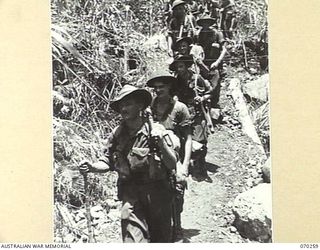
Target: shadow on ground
<point>211,167</point>
<point>188,234</point>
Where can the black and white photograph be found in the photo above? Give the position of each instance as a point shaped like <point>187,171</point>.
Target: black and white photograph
<point>160,122</point>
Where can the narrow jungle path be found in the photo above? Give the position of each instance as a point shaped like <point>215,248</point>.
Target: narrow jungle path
<point>231,160</point>
<point>232,163</point>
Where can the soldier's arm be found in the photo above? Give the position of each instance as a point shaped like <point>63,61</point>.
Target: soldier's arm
<point>187,154</point>
<point>104,162</point>
<point>186,130</point>
<point>208,89</point>
<point>170,36</point>
<point>223,52</point>
<point>197,53</point>
<point>101,166</point>
<point>168,155</point>
<point>170,42</point>
<point>167,152</point>
<point>233,19</point>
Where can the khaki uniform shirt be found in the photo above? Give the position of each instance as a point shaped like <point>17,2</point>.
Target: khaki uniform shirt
<point>130,155</point>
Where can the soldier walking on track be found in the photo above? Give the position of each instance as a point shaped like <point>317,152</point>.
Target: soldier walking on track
<point>174,116</point>
<point>213,44</point>
<point>182,46</point>
<point>143,184</point>
<point>181,24</point>
<point>227,17</point>
<point>194,91</point>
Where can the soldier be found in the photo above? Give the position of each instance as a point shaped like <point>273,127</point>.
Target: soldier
<point>182,46</point>
<point>181,24</point>
<point>192,7</point>
<point>143,185</point>
<point>173,115</point>
<point>213,44</point>
<point>211,8</point>
<point>185,46</point>
<point>167,11</point>
<point>227,17</point>
<point>194,91</point>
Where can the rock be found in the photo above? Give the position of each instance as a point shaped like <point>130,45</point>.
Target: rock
<point>249,182</point>
<point>253,71</point>
<point>215,113</point>
<point>258,88</point>
<point>254,174</point>
<point>114,214</point>
<point>257,181</point>
<point>252,162</point>
<point>233,229</point>
<point>253,213</point>
<point>266,171</point>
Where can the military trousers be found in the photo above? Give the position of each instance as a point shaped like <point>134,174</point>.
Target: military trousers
<point>146,212</point>
<point>214,77</point>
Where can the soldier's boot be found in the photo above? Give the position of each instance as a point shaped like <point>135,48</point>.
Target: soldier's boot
<point>203,170</point>
<point>179,232</point>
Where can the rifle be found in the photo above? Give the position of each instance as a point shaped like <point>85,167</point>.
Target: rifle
<point>153,145</point>
<point>205,112</point>
<point>155,154</point>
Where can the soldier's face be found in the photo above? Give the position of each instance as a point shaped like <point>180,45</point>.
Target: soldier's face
<point>181,68</point>
<point>183,48</point>
<point>205,25</point>
<point>161,89</point>
<point>130,108</point>
<point>179,10</point>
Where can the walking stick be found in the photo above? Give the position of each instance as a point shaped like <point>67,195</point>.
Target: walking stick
<point>87,206</point>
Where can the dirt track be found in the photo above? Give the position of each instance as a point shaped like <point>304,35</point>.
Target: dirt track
<point>231,157</point>
<point>231,161</point>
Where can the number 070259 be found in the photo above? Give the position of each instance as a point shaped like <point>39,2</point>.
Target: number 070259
<point>310,246</point>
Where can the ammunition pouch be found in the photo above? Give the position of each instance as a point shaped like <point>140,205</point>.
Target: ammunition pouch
<point>138,159</point>
<point>121,165</point>
<point>142,161</point>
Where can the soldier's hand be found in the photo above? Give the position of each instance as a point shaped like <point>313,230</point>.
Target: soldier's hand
<point>199,61</point>
<point>182,179</point>
<point>198,99</point>
<point>214,65</point>
<point>184,170</point>
<point>84,167</point>
<point>157,136</point>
